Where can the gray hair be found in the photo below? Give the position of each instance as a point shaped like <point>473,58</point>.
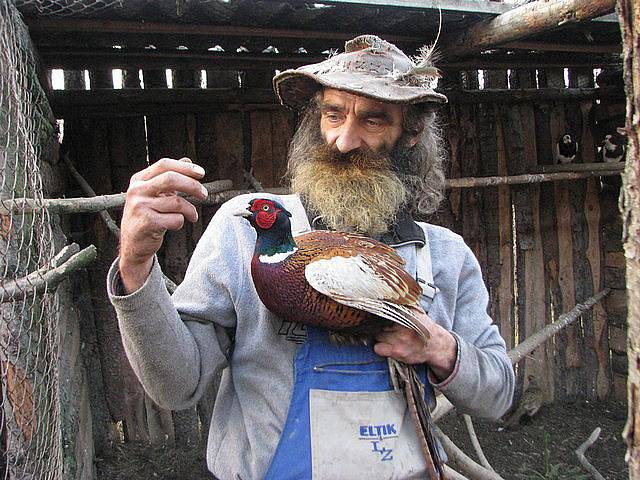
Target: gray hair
<point>420,167</point>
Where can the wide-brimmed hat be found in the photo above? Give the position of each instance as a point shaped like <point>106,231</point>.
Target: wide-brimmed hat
<point>370,67</point>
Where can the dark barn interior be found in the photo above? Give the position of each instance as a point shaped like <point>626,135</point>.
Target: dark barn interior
<point>125,83</point>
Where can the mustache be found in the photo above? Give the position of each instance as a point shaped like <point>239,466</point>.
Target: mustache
<point>360,158</point>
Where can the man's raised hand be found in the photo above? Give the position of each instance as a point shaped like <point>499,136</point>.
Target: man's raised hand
<point>152,206</point>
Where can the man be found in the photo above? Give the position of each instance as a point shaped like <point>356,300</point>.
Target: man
<point>367,157</point>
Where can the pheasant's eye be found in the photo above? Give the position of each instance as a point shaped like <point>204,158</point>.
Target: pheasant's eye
<point>265,208</point>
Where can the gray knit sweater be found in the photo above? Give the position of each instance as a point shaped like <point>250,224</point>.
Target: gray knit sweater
<point>177,344</point>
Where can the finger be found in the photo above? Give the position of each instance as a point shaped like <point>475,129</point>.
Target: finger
<point>171,182</point>
<point>183,166</point>
<point>383,349</point>
<point>171,221</point>
<point>175,204</point>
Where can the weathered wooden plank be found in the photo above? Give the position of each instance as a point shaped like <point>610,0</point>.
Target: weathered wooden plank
<point>282,129</point>
<point>599,316</point>
<point>618,338</point>
<point>505,294</point>
<point>261,148</point>
<point>229,146</point>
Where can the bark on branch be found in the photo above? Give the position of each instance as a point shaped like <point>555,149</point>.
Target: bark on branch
<point>65,206</point>
<point>48,278</point>
<point>476,443</point>
<point>471,182</point>
<point>532,342</point>
<point>462,461</point>
<point>524,21</point>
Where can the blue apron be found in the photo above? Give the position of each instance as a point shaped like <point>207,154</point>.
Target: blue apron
<point>325,367</point>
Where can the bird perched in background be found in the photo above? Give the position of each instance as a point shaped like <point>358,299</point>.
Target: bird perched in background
<point>530,402</point>
<point>566,149</point>
<point>613,147</point>
<point>349,284</point>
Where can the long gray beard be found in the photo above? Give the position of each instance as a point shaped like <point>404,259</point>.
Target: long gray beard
<point>351,197</point>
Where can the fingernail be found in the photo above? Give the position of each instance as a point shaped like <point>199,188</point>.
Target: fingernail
<point>198,169</point>
<point>205,192</point>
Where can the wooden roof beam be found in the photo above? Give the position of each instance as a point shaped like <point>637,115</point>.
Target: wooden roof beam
<point>522,22</point>
<point>83,25</point>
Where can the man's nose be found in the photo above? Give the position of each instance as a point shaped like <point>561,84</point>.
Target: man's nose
<point>348,137</point>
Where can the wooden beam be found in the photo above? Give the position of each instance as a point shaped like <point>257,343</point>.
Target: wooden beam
<point>563,47</point>
<point>105,58</point>
<point>471,6</point>
<point>83,25</point>
<point>532,95</point>
<point>522,22</point>
<point>130,102</point>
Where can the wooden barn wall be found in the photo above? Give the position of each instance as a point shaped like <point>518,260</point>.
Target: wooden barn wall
<point>542,247</point>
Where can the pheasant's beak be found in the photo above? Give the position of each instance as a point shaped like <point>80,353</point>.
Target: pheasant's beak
<point>243,212</point>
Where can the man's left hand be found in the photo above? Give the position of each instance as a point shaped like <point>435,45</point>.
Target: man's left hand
<point>405,345</point>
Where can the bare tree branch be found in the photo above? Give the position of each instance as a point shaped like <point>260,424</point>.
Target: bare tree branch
<point>111,224</point>
<point>476,443</point>
<point>64,206</point>
<point>474,470</point>
<point>444,406</point>
<point>86,188</point>
<point>47,278</point>
<point>451,474</point>
<point>580,451</point>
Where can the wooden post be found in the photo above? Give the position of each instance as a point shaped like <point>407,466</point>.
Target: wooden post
<point>524,21</point>
<point>629,14</point>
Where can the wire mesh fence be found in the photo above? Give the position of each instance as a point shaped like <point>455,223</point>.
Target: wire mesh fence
<point>30,446</point>
<point>66,8</point>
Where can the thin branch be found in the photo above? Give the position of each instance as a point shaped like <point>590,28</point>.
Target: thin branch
<point>580,451</point>
<point>476,443</point>
<point>529,178</point>
<point>444,406</point>
<point>462,461</point>
<point>111,224</point>
<point>534,341</point>
<point>47,278</point>
<point>86,188</point>
<point>64,206</point>
<point>451,474</point>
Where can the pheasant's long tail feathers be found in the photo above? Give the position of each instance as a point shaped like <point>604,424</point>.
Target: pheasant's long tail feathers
<point>422,420</point>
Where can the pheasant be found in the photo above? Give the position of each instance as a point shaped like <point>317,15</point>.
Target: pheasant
<point>351,285</point>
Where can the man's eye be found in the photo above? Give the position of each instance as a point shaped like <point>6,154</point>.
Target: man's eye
<point>332,117</point>
<point>374,123</point>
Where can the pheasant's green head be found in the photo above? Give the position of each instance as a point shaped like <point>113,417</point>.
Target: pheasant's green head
<point>271,221</point>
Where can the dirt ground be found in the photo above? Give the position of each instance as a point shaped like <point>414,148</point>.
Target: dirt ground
<point>542,448</point>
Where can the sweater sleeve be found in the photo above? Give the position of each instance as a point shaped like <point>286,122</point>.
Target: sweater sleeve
<point>482,382</point>
<point>176,344</point>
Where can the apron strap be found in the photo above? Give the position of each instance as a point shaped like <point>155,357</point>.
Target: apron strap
<point>424,272</point>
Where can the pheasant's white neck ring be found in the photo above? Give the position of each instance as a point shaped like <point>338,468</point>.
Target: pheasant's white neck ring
<point>277,257</point>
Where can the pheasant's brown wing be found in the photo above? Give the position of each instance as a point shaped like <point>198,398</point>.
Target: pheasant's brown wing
<point>361,273</point>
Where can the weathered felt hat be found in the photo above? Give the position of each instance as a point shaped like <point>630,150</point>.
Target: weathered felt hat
<point>370,67</point>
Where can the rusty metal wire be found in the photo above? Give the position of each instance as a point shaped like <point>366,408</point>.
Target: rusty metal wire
<point>30,444</point>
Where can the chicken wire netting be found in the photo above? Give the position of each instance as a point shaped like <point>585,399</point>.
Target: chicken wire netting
<point>65,8</point>
<point>30,446</point>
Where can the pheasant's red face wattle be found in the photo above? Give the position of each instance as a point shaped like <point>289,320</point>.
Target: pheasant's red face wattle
<point>266,213</point>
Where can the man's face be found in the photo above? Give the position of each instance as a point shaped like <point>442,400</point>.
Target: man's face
<point>350,122</point>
